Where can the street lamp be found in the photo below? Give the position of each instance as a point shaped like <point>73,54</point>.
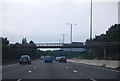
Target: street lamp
<point>91,21</point>
<point>71,32</point>
<point>90,28</point>
<point>59,41</point>
<point>63,37</point>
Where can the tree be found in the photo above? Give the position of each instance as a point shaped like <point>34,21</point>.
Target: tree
<point>24,41</point>
<point>112,35</point>
<point>5,43</point>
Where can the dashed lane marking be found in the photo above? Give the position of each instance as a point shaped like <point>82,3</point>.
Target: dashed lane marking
<point>93,79</point>
<point>75,71</point>
<point>34,67</point>
<point>19,79</point>
<point>67,67</point>
<point>29,71</point>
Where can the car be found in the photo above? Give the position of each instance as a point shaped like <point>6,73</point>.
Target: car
<point>62,59</point>
<point>25,59</point>
<point>57,58</point>
<point>48,59</point>
<point>42,57</point>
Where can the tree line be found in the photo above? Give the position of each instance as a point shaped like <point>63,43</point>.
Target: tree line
<point>13,52</point>
<point>111,35</point>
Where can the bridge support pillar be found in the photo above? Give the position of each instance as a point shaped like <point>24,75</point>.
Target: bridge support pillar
<point>104,53</point>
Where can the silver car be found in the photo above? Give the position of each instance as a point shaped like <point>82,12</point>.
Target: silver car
<point>25,59</point>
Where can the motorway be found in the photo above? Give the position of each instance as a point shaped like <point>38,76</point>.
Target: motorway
<point>40,70</point>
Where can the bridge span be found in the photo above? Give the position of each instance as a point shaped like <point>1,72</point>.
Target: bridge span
<point>103,45</point>
<point>68,45</point>
<point>77,45</point>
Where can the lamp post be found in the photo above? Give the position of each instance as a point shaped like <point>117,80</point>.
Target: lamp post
<point>91,21</point>
<point>59,41</point>
<point>90,28</point>
<point>63,37</point>
<point>71,31</point>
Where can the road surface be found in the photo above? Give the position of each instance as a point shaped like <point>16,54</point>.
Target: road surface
<point>40,70</point>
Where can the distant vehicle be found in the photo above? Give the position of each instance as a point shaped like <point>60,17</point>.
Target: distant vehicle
<point>48,59</point>
<point>62,59</point>
<point>42,57</point>
<point>96,59</point>
<point>25,59</point>
<point>57,58</point>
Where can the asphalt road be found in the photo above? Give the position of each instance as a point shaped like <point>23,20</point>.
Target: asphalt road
<point>40,70</point>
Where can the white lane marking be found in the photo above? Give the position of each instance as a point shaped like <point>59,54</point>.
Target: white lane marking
<point>107,69</point>
<point>29,71</point>
<point>66,67</point>
<point>92,79</point>
<point>62,65</point>
<point>19,79</point>
<point>34,67</point>
<point>75,71</point>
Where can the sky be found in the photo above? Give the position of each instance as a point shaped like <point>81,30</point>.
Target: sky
<point>44,20</point>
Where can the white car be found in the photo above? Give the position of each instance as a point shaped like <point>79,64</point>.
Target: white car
<point>57,58</point>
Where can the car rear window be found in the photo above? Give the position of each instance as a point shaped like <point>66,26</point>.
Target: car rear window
<point>24,58</point>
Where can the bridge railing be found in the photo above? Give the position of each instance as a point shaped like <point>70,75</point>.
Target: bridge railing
<point>49,44</point>
<point>99,44</point>
<point>68,45</point>
<point>102,44</point>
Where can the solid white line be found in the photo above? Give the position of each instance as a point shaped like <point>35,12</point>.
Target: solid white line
<point>9,65</point>
<point>98,67</point>
<point>108,69</point>
<point>92,79</point>
<point>19,79</point>
<point>75,71</point>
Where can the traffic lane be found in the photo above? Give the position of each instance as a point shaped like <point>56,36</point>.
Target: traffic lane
<point>38,70</point>
<point>51,71</point>
<point>92,71</point>
<point>16,71</point>
<point>14,66</point>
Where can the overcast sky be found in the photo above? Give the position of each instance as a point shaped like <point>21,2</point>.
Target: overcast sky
<point>45,20</point>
